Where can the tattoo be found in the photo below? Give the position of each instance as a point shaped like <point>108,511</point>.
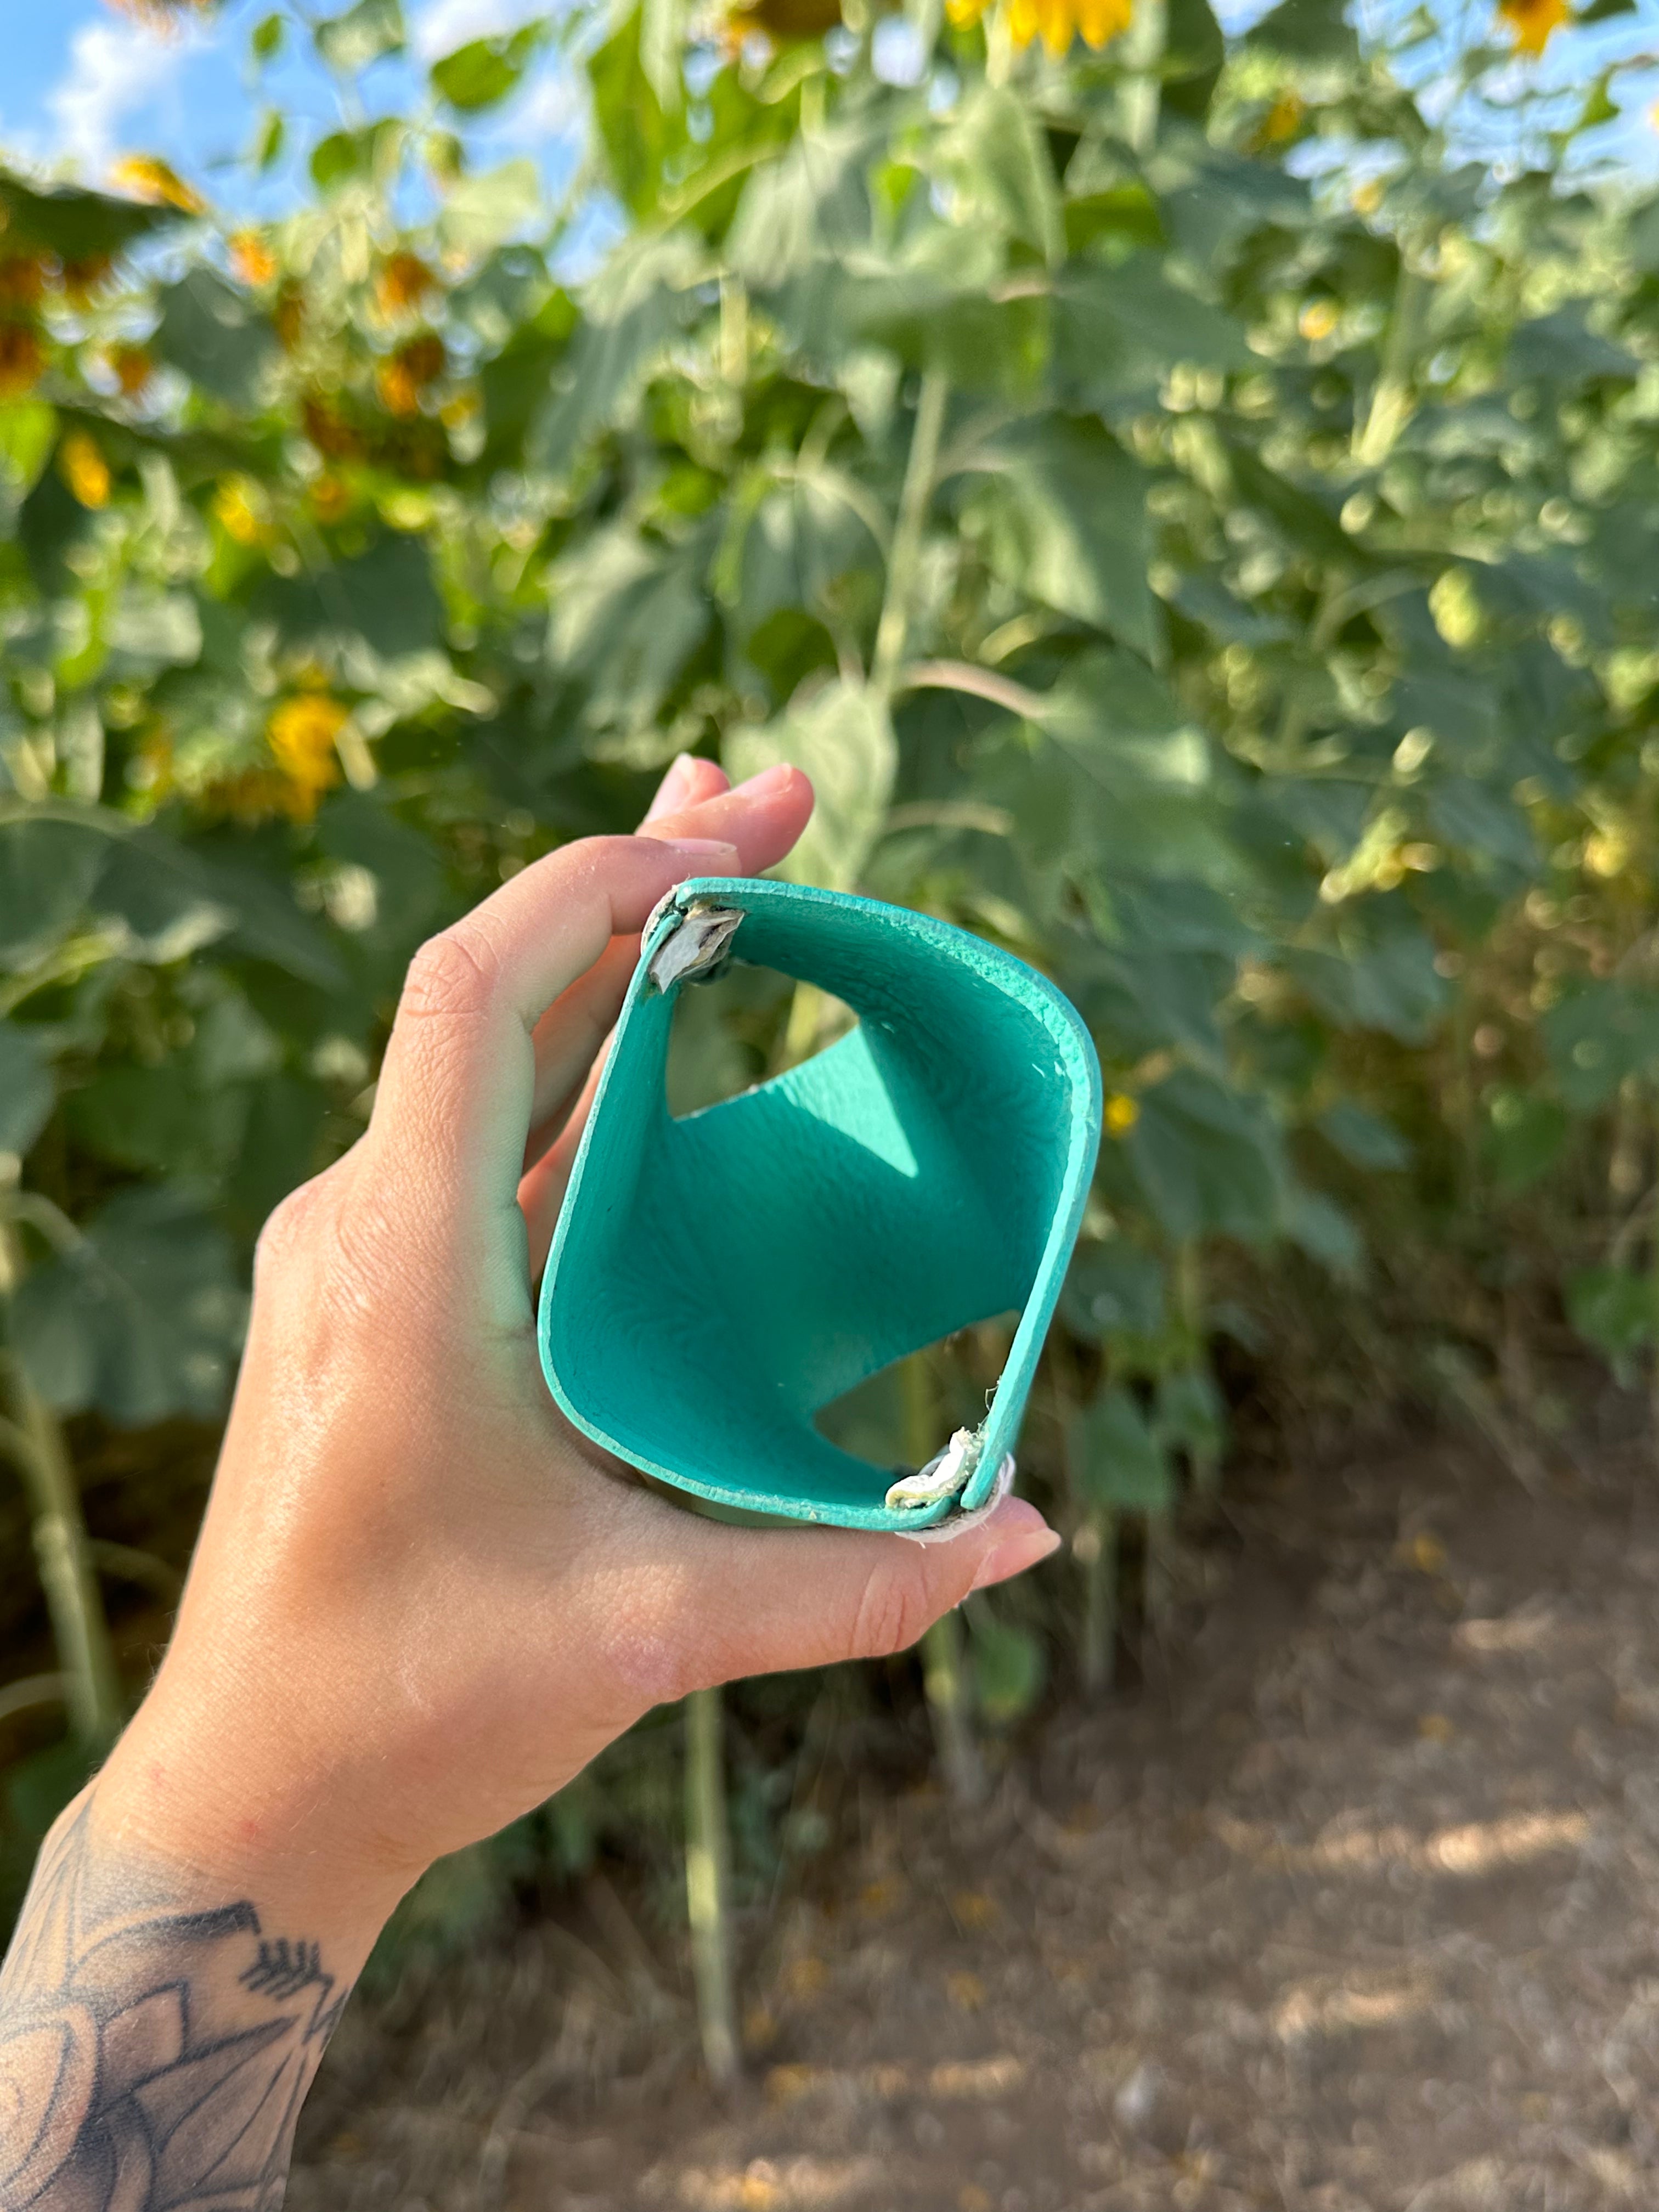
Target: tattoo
<point>150,2057</point>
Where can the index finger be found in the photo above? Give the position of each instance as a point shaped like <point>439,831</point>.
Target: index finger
<point>453,1107</point>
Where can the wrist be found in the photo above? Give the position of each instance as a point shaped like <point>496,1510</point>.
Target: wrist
<point>260,1820</point>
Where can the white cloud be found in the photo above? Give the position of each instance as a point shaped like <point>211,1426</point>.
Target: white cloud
<point>443,25</point>
<point>114,68</point>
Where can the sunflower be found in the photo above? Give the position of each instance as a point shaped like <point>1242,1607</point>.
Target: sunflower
<point>23,280</point>
<point>1056,22</point>
<point>301,734</point>
<point>252,259</point>
<point>239,508</point>
<point>1121,1113</point>
<point>132,368</point>
<point>1532,22</point>
<point>405,377</point>
<point>147,177</point>
<point>22,357</point>
<point>402,281</point>
<point>85,470</point>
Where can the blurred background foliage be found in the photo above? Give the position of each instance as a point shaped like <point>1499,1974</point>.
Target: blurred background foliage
<point>1195,522</point>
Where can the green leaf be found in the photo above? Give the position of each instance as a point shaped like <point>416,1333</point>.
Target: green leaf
<point>141,1320</point>
<point>843,738</point>
<point>174,899</point>
<point>28,431</point>
<point>995,158</point>
<point>1191,1415</point>
<point>1612,1309</point>
<point>477,76</point>
<point>26,1090</point>
<point>216,336</point>
<point>812,205</point>
<point>1598,1033</point>
<point>1324,1231</point>
<point>270,140</point>
<point>1116,1459</point>
<point>361,34</point>
<point>76,226</point>
<point>662,50</point>
<point>280,1140</point>
<point>1193,51</point>
<point>642,301</point>
<point>265,41</point>
<point>1307,31</point>
<point>1064,521</point>
<point>1383,977</point>
<point>1210,1160</point>
<point>482,212</point>
<point>1114,1290</point>
<point>153,629</point>
<point>47,873</point>
<point>1127,323</point>
<point>628,611</point>
<point>1364,1139</point>
<point>386,598</point>
<point>1009,1668</point>
<point>1524,1137</point>
<point>155,1120</point>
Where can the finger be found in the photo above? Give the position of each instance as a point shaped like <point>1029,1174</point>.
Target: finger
<point>540,1192</point>
<point>452,1109</point>
<point>763,819</point>
<point>569,1036</point>
<point>688,780</point>
<point>778,798</point>
<point>724,1602</point>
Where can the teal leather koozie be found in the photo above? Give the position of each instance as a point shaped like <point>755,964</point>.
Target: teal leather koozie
<point>716,1279</point>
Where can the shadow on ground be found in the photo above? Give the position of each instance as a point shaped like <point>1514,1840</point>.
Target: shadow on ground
<point>1356,1910</point>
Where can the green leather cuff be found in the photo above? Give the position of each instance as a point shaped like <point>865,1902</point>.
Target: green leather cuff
<point>716,1279</point>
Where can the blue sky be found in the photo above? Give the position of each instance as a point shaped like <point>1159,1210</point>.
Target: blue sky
<point>81,83</point>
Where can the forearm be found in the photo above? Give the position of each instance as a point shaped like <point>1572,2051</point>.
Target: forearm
<point>159,2029</point>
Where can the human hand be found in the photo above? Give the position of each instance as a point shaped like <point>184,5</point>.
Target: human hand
<point>420,1604</point>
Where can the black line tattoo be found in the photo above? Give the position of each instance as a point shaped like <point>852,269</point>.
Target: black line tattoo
<point>150,2058</point>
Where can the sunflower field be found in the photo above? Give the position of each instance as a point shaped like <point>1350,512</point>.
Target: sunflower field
<point>1191,503</point>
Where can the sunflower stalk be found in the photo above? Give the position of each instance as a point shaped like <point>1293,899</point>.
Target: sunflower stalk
<point>945,1670</point>
<point>1095,1549</point>
<point>34,1440</point>
<point>709,1886</point>
<point>1142,53</point>
<point>904,559</point>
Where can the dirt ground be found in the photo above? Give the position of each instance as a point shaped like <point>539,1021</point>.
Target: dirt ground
<point>1353,1907</point>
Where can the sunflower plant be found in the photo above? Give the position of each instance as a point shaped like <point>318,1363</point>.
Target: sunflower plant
<point>1191,514</point>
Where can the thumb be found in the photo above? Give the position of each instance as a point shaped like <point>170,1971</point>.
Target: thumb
<point>764,1600</point>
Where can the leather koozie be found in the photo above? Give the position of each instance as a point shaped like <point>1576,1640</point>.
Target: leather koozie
<point>717,1279</point>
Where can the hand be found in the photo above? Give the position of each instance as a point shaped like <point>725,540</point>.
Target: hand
<point>420,1603</point>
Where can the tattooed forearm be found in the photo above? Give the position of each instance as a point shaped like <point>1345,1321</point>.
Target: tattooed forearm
<point>150,2057</point>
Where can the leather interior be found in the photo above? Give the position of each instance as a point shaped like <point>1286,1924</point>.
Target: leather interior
<point>715,1280</point>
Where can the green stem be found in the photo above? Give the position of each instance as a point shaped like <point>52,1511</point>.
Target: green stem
<point>1391,401</point>
<point>944,1678</point>
<point>1142,52</point>
<point>903,559</point>
<point>34,1440</point>
<point>943,1663</point>
<point>709,1886</point>
<point>1159,1581</point>
<point>1096,1550</point>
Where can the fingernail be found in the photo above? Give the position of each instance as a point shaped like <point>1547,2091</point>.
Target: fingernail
<point>1014,1554</point>
<point>768,779</point>
<point>704,847</point>
<point>672,789</point>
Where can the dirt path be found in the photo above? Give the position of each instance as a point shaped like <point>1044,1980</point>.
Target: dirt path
<point>1358,1912</point>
